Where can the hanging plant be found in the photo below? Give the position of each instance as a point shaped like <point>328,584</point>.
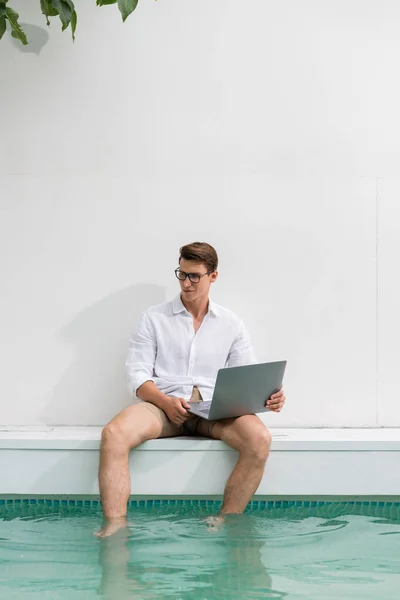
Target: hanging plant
<point>63,9</point>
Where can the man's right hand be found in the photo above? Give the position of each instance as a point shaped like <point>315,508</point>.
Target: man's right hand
<point>175,409</point>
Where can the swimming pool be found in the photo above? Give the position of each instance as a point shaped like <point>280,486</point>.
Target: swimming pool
<point>296,549</point>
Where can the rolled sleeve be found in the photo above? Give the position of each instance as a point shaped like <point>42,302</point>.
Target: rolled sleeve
<point>141,356</point>
<point>241,352</point>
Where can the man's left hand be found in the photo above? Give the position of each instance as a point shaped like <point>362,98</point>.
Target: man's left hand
<point>276,402</point>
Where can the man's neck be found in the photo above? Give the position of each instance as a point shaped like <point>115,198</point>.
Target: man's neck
<point>197,308</point>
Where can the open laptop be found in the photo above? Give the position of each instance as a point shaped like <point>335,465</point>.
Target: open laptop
<point>241,391</point>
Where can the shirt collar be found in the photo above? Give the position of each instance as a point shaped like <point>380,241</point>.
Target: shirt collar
<point>178,306</point>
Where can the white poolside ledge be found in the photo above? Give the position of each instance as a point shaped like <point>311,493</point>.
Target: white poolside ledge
<point>303,462</point>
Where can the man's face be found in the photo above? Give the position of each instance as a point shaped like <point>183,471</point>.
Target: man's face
<point>192,291</point>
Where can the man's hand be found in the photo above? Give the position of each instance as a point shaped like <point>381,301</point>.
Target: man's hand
<point>175,409</point>
<point>276,402</point>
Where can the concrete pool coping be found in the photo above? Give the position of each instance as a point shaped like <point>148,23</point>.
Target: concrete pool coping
<point>303,462</point>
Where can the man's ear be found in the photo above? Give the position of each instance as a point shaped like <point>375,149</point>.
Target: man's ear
<point>214,276</point>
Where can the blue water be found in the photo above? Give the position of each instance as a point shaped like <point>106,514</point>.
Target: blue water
<point>171,552</point>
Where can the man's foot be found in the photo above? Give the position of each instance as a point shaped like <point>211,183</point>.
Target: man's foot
<point>215,523</point>
<point>111,526</point>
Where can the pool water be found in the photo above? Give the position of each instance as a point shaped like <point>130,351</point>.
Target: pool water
<point>330,552</point>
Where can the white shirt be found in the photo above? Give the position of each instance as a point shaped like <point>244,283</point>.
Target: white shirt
<point>165,349</point>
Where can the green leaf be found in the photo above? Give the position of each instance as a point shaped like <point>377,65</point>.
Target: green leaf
<point>126,7</point>
<point>105,2</point>
<point>48,10</point>
<point>3,9</point>
<point>65,9</point>
<point>3,26</point>
<point>16,32</point>
<point>73,23</point>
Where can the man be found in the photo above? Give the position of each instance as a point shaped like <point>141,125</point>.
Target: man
<point>174,356</point>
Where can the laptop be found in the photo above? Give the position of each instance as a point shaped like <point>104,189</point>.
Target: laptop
<point>241,391</point>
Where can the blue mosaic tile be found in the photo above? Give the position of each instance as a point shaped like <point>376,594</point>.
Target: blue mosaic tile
<point>378,508</point>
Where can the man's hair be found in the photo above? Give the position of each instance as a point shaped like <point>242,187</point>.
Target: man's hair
<point>200,252</point>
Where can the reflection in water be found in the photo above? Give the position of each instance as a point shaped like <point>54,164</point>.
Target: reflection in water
<point>170,552</point>
<point>220,565</point>
<point>116,582</point>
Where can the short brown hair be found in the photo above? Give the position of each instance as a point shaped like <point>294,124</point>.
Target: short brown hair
<point>200,252</point>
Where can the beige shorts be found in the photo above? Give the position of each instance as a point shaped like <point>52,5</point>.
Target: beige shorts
<point>189,427</point>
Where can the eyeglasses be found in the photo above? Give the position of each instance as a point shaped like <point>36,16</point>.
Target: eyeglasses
<point>193,277</point>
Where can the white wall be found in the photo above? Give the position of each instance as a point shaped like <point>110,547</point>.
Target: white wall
<point>269,129</point>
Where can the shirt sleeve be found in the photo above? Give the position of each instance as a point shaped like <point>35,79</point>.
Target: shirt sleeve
<point>241,352</point>
<point>141,356</point>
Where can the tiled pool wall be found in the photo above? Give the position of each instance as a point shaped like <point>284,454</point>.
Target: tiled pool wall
<point>326,508</point>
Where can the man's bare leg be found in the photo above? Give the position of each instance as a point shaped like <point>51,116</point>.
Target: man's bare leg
<point>130,428</point>
<point>252,439</point>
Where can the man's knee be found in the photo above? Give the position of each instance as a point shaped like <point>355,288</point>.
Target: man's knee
<point>263,444</point>
<point>131,427</point>
<point>114,435</point>
<point>255,439</point>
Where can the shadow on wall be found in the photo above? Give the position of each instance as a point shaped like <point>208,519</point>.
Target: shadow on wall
<point>93,388</point>
<point>37,38</point>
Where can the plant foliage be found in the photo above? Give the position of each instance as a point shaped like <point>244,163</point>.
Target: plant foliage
<point>63,9</point>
